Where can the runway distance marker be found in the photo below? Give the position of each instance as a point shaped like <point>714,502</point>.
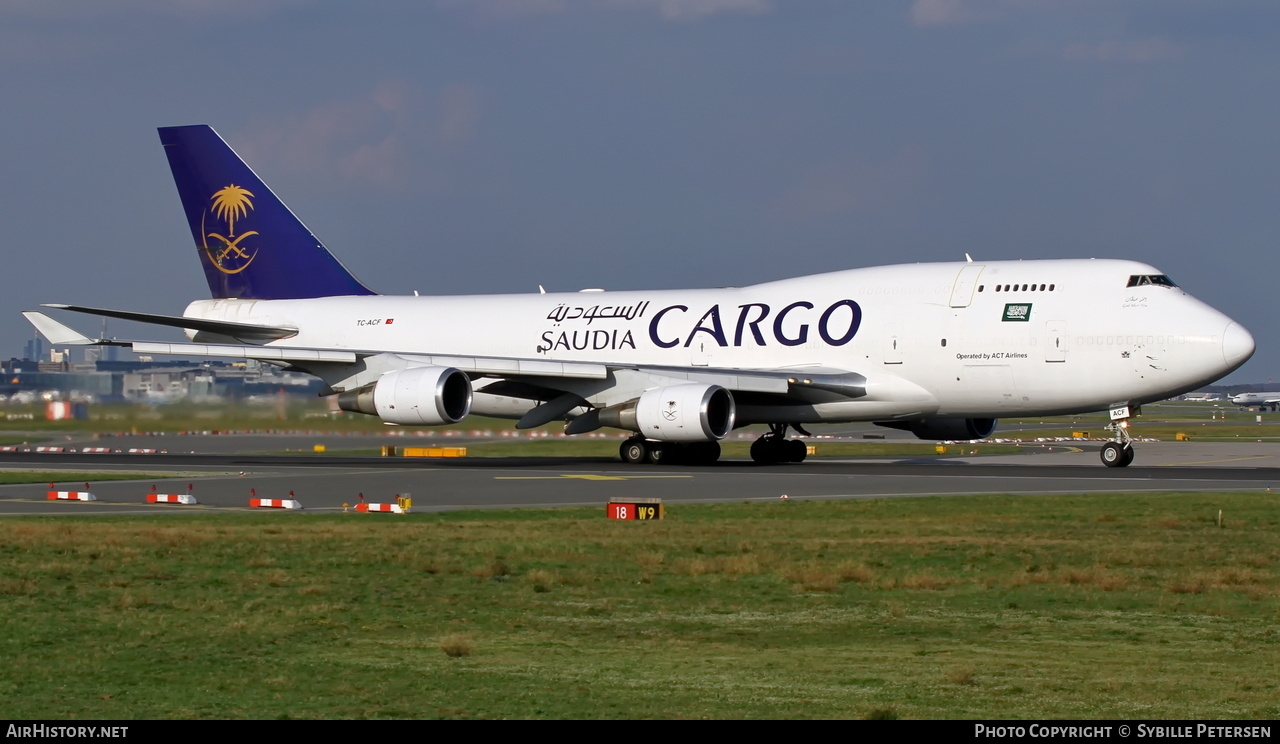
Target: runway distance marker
<point>636,509</point>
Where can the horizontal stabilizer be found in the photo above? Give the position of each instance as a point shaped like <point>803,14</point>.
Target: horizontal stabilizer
<point>243,331</point>
<point>57,333</point>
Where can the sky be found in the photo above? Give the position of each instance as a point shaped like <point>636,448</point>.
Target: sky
<point>476,146</point>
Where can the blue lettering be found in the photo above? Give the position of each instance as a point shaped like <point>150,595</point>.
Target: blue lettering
<point>855,320</point>
<point>754,325</point>
<point>804,329</point>
<point>653,327</point>
<point>715,331</point>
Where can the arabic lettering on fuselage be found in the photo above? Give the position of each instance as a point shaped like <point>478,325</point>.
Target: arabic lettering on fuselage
<point>597,312</point>
<point>755,324</point>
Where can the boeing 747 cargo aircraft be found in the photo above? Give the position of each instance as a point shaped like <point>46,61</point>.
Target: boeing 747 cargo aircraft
<point>942,350</point>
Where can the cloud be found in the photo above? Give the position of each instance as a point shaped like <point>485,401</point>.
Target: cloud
<point>503,10</point>
<point>672,10</point>
<point>459,111</point>
<point>1139,51</point>
<point>84,10</point>
<point>852,184</point>
<point>380,138</point>
<point>692,10</point>
<point>954,12</point>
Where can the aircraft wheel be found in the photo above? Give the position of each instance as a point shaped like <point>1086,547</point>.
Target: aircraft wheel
<point>763,451</point>
<point>1114,455</point>
<point>634,451</point>
<point>797,450</point>
<point>702,453</point>
<point>663,453</point>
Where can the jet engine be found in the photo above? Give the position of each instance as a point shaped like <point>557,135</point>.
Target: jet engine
<point>955,429</point>
<point>678,413</point>
<point>418,396</point>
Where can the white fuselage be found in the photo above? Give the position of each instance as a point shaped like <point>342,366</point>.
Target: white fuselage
<point>1256,399</point>
<point>987,339</point>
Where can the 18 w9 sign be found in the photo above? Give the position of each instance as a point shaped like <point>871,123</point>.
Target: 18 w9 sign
<point>635,510</point>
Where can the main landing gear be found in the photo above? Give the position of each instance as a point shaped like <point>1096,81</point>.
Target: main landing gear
<point>774,447</point>
<point>637,450</point>
<point>1118,453</point>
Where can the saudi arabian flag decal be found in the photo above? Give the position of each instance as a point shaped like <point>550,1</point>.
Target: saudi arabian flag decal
<point>1017,312</point>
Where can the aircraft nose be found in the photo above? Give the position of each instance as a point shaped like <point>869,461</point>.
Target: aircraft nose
<point>1237,345</point>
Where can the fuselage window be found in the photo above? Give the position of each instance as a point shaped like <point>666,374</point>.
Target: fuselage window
<point>1051,286</point>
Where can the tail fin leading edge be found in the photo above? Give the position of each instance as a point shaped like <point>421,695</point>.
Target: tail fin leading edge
<point>251,245</point>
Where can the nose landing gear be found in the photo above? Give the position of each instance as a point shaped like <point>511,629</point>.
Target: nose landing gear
<point>1118,453</point>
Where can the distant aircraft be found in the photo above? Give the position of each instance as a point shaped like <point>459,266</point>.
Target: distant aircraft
<point>1262,400</point>
<point>941,350</point>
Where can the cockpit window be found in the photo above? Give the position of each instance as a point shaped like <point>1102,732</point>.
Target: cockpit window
<point>1142,280</point>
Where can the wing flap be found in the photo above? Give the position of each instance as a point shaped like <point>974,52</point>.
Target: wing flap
<point>263,353</point>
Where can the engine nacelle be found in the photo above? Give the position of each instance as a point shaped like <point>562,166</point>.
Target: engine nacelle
<point>678,413</point>
<point>418,396</point>
<point>955,429</point>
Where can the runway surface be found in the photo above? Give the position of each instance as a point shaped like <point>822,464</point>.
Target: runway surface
<point>224,482</point>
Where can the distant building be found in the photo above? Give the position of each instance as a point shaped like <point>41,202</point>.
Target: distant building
<point>33,351</point>
<point>164,381</point>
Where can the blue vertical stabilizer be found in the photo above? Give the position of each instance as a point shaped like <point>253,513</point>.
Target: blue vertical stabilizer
<point>250,244</point>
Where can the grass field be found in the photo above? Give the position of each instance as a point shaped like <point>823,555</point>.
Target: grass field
<point>1135,606</point>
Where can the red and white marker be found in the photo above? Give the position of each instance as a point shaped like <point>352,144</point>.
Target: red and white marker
<point>385,508</point>
<point>274,504</point>
<point>171,498</point>
<point>71,496</point>
<point>257,503</point>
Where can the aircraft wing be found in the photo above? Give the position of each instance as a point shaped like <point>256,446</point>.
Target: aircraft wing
<point>346,369</point>
<point>242,331</point>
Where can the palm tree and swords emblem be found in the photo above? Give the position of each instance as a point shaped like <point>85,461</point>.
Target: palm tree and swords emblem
<point>228,205</point>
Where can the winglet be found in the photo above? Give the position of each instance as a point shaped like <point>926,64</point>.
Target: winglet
<point>57,333</point>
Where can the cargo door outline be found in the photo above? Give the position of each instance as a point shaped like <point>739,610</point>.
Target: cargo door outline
<point>991,383</point>
<point>966,280</point>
